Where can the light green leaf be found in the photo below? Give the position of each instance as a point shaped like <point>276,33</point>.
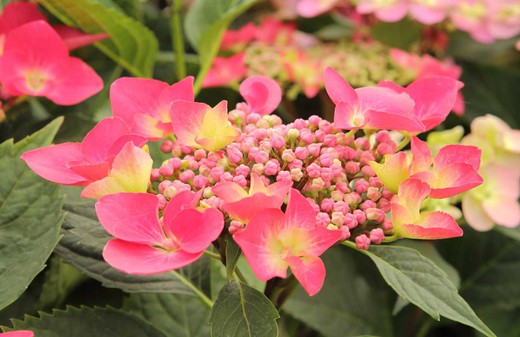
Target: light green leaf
<point>205,24</point>
<point>352,302</point>
<point>243,311</point>
<point>87,322</point>
<point>173,314</point>
<point>130,44</point>
<point>402,34</point>
<point>30,216</point>
<point>420,281</point>
<point>82,245</point>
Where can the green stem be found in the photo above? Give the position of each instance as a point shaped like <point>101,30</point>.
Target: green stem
<point>205,299</point>
<point>425,327</point>
<point>391,238</point>
<point>403,143</point>
<point>212,255</point>
<point>350,134</point>
<point>349,244</point>
<point>177,39</point>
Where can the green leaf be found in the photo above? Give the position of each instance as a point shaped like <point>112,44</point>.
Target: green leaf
<point>233,252</point>
<point>353,301</point>
<point>82,245</point>
<point>60,280</point>
<point>205,24</point>
<point>464,47</point>
<point>173,314</point>
<point>243,311</point>
<point>130,44</point>
<point>30,216</point>
<point>402,34</point>
<point>87,322</point>
<point>420,281</point>
<point>513,233</point>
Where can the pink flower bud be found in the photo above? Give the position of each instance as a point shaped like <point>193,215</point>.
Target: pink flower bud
<point>226,177</point>
<point>338,218</point>
<point>299,124</point>
<point>258,169</point>
<point>327,204</point>
<point>375,214</point>
<point>155,174</point>
<point>330,140</point>
<point>322,219</point>
<point>386,148</point>
<point>345,232</point>
<point>384,205</point>
<point>387,225</point>
<point>326,174</point>
<point>326,126</point>
<point>163,185</point>
<point>326,160</point>
<point>277,141</point>
<point>253,118</point>
<point>314,120</point>
<point>235,227</point>
<point>368,171</point>
<point>362,242</point>
<point>307,136</point>
<point>288,155</point>
<point>342,187</point>
<point>284,176</point>
<point>377,236</point>
<point>350,221</point>
<point>319,135</point>
<point>296,174</point>
<point>313,170</point>
<point>166,146</point>
<point>360,216</point>
<point>362,144</point>
<point>301,153</point>
<point>272,167</point>
<point>186,176</point>
<point>297,163</point>
<point>200,181</point>
<point>314,149</point>
<point>216,173</point>
<point>162,201</point>
<point>352,199</point>
<point>176,163</point>
<point>341,206</point>
<point>337,195</point>
<point>170,192</point>
<point>361,186</point>
<point>214,202</point>
<point>317,184</point>
<point>352,167</point>
<point>199,154</point>
<point>373,193</point>
<point>240,180</point>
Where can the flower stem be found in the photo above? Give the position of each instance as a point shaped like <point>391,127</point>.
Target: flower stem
<point>177,40</point>
<point>391,238</point>
<point>205,299</point>
<point>403,143</point>
<point>212,255</point>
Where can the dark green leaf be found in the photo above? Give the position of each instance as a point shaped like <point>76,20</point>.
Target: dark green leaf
<point>82,245</point>
<point>421,282</point>
<point>130,44</point>
<point>243,311</point>
<point>87,322</point>
<point>30,216</point>
<point>232,254</point>
<point>173,314</point>
<point>352,302</point>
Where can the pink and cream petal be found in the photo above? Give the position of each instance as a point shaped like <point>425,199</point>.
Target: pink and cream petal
<point>475,214</point>
<point>131,217</point>
<point>503,211</point>
<point>244,209</point>
<point>262,94</point>
<point>187,118</point>
<point>451,154</point>
<point>454,179</point>
<point>320,239</point>
<point>393,171</point>
<point>229,192</point>
<point>422,156</point>
<point>139,259</point>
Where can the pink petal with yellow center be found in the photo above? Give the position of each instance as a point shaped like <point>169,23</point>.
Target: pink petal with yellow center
<point>320,239</point>
<point>280,189</point>
<point>393,171</point>
<point>347,116</point>
<point>431,226</point>
<point>194,231</point>
<point>75,38</point>
<point>130,172</point>
<point>131,217</point>
<point>309,271</point>
<point>244,209</point>
<point>100,139</point>
<point>260,245</point>
<point>299,212</point>
<point>139,259</point>
<point>229,192</point>
<point>338,89</point>
<point>50,163</point>
<point>412,192</point>
<point>262,94</point>
<point>216,131</point>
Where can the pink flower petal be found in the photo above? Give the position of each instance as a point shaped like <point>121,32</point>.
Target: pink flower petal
<point>454,179</point>
<point>434,99</point>
<point>139,259</point>
<point>181,201</point>
<point>347,116</point>
<point>413,192</point>
<point>195,230</point>
<point>50,163</point>
<point>299,212</point>
<point>321,239</point>
<point>20,333</point>
<point>431,226</point>
<point>131,217</point>
<point>260,244</point>
<point>15,14</point>
<point>229,192</point>
<point>451,154</point>
<point>244,209</point>
<point>75,38</point>
<point>262,94</point>
<point>75,82</point>
<point>503,211</point>
<point>338,89</point>
<point>98,142</point>
<point>427,15</point>
<point>309,271</point>
<point>91,172</point>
